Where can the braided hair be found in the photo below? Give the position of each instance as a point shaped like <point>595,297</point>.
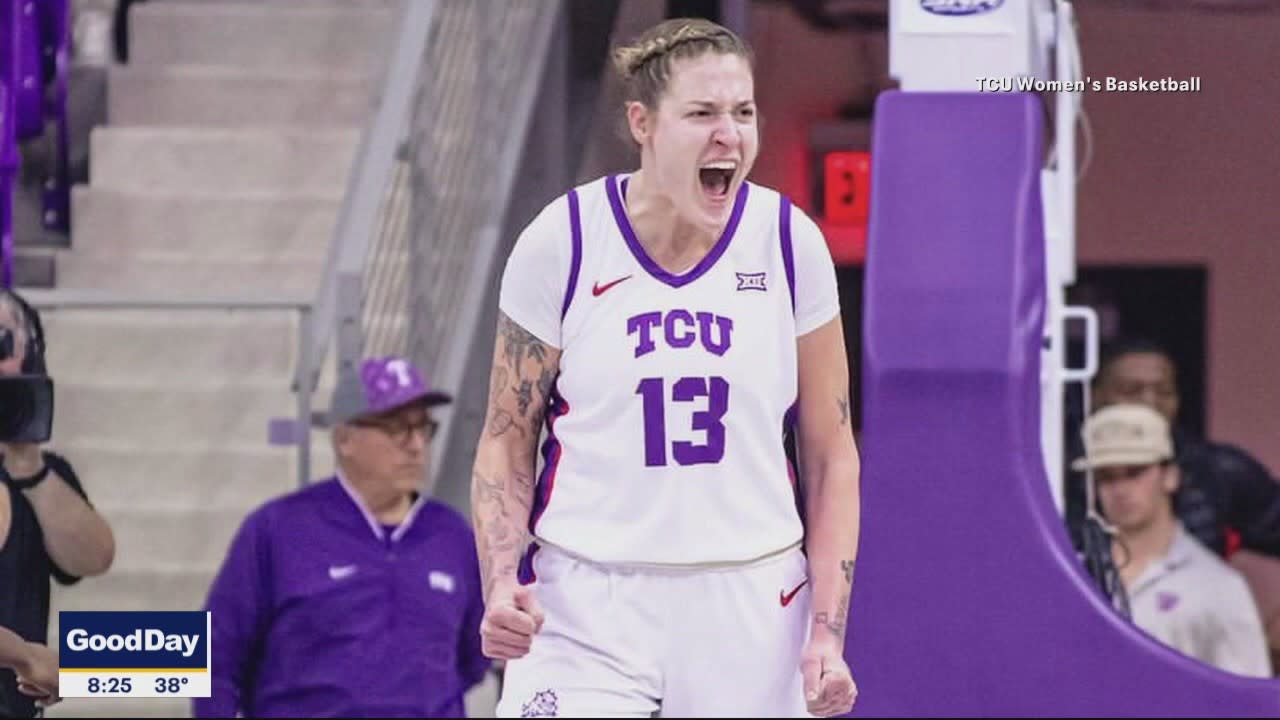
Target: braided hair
<point>645,64</point>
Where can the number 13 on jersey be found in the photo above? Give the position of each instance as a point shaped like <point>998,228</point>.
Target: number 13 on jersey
<point>653,391</point>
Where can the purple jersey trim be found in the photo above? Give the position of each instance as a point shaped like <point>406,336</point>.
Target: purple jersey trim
<point>788,253</point>
<point>551,449</point>
<point>629,234</point>
<point>575,225</point>
<point>525,573</point>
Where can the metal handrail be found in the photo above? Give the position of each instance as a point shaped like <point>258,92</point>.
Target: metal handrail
<point>89,300</point>
<point>488,238</point>
<point>378,151</point>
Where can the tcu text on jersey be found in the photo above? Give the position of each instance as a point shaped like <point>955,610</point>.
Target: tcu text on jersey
<point>680,330</point>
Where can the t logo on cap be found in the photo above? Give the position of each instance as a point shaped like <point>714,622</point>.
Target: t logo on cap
<point>402,370</point>
<point>381,385</point>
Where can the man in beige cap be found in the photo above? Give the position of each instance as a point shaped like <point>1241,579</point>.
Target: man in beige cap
<point>1179,591</point>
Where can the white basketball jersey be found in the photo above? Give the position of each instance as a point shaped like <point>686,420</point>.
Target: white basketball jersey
<point>666,423</point>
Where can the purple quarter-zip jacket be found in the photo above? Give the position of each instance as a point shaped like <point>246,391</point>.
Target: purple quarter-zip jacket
<point>318,612</point>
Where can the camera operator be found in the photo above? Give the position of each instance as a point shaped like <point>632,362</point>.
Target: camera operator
<point>47,527</point>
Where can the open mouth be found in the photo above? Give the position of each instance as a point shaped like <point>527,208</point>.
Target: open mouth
<point>716,177</point>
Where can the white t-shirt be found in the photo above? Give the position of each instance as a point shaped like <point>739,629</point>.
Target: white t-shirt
<point>1193,601</point>
<point>666,425</point>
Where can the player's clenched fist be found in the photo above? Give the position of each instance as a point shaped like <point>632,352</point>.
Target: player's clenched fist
<point>828,684</point>
<point>512,617</point>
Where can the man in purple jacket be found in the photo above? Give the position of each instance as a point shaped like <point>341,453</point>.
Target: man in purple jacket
<point>356,596</point>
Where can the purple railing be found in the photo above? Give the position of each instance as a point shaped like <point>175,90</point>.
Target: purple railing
<point>34,62</point>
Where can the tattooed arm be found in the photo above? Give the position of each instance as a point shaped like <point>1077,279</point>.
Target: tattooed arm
<point>502,484</point>
<point>829,471</point>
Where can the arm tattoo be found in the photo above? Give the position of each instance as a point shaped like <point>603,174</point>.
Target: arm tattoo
<point>835,625</point>
<point>545,381</point>
<point>524,397</point>
<point>843,402</point>
<point>498,383</point>
<point>847,567</point>
<point>501,539</point>
<point>521,344</point>
<point>518,347</point>
<point>502,496</point>
<point>530,386</point>
<point>501,422</point>
<point>490,492</point>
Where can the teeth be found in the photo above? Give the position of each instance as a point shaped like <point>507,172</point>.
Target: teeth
<point>721,165</point>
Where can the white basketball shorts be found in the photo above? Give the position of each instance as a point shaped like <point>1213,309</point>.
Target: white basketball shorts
<point>697,642</point>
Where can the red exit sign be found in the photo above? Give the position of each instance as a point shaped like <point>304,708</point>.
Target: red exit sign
<point>846,187</point>
<point>846,191</point>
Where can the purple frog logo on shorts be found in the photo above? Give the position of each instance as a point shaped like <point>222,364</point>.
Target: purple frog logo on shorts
<point>543,704</point>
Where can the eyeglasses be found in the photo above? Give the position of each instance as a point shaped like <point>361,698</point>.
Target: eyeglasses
<point>400,430</point>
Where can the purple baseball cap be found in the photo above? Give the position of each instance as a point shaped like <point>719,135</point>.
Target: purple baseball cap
<point>381,384</point>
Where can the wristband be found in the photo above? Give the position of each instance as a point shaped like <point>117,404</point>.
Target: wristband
<point>26,483</point>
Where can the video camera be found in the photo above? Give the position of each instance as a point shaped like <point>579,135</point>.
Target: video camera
<point>26,400</point>
<point>26,409</point>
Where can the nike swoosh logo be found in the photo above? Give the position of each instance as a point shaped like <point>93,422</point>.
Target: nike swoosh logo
<point>786,597</point>
<point>597,289</point>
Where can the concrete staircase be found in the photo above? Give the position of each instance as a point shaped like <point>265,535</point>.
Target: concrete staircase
<point>221,172</point>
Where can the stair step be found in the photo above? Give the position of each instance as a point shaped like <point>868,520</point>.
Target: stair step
<point>208,225</point>
<point>171,346</point>
<point>235,96</point>
<point>183,482</point>
<point>122,707</point>
<point>156,415</point>
<point>333,35</point>
<point>34,267</point>
<point>177,274</point>
<point>195,479</point>
<point>226,160</point>
<point>155,588</point>
<point>197,541</point>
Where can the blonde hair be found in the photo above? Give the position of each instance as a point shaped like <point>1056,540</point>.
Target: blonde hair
<point>645,63</point>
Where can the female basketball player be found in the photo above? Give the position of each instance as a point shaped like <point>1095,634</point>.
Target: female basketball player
<point>670,325</point>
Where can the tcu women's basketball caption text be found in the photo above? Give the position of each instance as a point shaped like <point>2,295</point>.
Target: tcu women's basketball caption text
<point>1106,84</point>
